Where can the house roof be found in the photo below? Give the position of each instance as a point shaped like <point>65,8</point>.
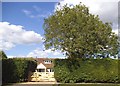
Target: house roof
<point>41,60</point>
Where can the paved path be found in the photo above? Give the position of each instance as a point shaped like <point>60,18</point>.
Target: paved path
<point>38,83</point>
<point>33,84</point>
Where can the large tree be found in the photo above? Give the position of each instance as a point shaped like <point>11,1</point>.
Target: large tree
<point>79,33</point>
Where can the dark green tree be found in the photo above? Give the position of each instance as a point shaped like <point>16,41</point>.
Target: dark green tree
<point>79,33</point>
<point>2,55</point>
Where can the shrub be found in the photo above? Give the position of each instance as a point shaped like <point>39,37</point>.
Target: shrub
<point>86,70</point>
<point>17,69</point>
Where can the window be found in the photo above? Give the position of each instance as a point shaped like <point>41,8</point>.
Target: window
<point>47,61</point>
<point>41,70</point>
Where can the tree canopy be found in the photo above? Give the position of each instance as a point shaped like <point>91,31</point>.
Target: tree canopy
<point>79,33</point>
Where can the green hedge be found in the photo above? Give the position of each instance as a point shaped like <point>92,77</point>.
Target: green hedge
<point>17,69</point>
<point>86,70</point>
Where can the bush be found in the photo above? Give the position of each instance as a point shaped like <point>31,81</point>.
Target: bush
<point>17,69</point>
<point>86,70</point>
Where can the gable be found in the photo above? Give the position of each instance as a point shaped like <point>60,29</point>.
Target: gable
<point>41,66</point>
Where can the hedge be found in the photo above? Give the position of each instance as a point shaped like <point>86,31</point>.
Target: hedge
<point>17,69</point>
<point>86,70</point>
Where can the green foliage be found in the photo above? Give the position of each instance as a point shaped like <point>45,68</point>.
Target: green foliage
<point>2,55</point>
<point>86,70</point>
<point>17,69</point>
<point>79,33</point>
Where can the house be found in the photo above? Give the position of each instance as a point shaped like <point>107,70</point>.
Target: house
<point>44,70</point>
<point>45,64</point>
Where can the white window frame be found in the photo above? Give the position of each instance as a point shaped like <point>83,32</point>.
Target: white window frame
<point>47,61</point>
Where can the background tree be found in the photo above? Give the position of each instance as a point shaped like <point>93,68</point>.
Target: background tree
<point>2,55</point>
<point>79,33</point>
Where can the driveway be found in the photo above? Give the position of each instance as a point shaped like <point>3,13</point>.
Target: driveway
<point>33,84</point>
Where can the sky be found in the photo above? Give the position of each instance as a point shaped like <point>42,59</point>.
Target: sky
<point>21,29</point>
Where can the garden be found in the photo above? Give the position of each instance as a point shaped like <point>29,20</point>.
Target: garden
<point>88,44</point>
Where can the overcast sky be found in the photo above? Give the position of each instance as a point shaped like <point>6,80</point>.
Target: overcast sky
<point>21,30</point>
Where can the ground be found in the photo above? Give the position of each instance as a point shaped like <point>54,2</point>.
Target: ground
<point>59,84</point>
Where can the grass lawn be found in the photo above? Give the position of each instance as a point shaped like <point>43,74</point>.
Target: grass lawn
<point>86,84</point>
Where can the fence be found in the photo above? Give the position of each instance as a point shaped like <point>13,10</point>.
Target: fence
<point>42,76</point>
